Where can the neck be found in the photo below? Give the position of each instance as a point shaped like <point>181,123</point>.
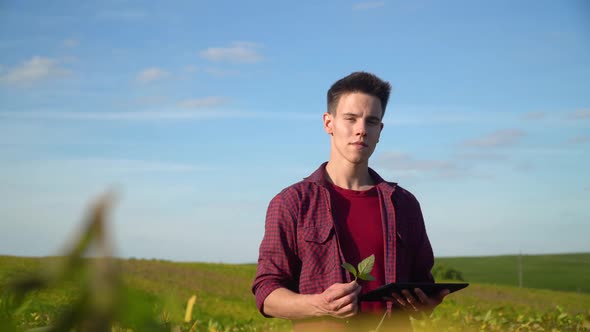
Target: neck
<point>349,176</point>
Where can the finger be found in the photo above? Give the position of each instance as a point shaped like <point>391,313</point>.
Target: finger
<point>344,302</point>
<point>347,311</point>
<point>410,299</point>
<point>339,310</point>
<point>339,290</point>
<point>399,300</point>
<point>354,310</point>
<point>351,286</point>
<point>422,297</point>
<point>358,290</point>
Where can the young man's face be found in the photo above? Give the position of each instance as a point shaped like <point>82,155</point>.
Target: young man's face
<point>355,128</point>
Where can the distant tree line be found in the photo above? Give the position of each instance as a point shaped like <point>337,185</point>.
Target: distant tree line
<point>442,272</point>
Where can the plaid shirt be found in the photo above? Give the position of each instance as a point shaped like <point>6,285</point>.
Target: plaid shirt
<point>300,250</point>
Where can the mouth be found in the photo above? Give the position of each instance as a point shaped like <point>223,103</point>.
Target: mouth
<point>360,144</point>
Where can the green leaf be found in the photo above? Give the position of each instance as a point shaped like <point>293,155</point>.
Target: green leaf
<point>366,266</point>
<point>348,267</point>
<point>488,315</point>
<point>366,276</point>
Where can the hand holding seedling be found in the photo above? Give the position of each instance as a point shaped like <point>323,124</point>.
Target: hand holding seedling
<point>339,300</point>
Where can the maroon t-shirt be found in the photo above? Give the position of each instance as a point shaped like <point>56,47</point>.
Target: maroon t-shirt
<point>300,250</point>
<point>357,216</point>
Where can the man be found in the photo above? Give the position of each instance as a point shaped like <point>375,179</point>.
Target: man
<point>344,212</point>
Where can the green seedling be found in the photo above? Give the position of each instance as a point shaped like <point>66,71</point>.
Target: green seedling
<point>363,270</point>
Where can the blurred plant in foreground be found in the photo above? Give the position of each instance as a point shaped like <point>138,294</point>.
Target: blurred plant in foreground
<point>102,301</point>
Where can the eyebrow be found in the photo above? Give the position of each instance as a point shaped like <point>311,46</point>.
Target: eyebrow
<point>350,114</point>
<point>372,117</point>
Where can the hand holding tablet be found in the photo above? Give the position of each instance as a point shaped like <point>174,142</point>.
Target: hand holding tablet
<point>430,289</point>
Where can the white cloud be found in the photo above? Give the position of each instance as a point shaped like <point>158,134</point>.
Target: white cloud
<point>500,138</point>
<point>524,167</point>
<point>368,5</point>
<point>405,163</point>
<point>410,114</point>
<point>190,69</point>
<point>70,59</point>
<point>91,171</point>
<point>534,115</point>
<point>580,139</point>
<point>237,52</point>
<point>481,156</point>
<point>71,43</point>
<point>152,74</point>
<point>166,114</point>
<point>549,151</point>
<point>120,165</point>
<point>123,115</point>
<point>150,100</point>
<point>406,118</point>
<point>581,114</point>
<point>25,135</point>
<point>36,69</point>
<point>124,14</point>
<point>203,102</point>
<point>218,72</point>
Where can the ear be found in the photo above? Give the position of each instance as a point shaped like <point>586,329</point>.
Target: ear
<point>380,130</point>
<point>328,123</point>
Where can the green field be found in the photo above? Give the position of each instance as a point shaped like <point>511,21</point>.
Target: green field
<point>225,303</point>
<point>223,290</point>
<point>565,272</point>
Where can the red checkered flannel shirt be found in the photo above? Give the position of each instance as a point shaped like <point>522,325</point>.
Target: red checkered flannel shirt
<point>300,249</point>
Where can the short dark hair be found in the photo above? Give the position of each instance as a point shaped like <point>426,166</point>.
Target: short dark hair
<point>359,81</point>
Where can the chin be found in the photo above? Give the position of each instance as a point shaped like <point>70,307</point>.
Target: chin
<point>358,161</point>
<point>359,158</point>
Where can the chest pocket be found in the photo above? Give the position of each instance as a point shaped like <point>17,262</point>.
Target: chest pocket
<point>318,233</point>
<point>320,249</point>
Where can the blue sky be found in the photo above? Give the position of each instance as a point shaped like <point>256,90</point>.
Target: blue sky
<point>198,112</point>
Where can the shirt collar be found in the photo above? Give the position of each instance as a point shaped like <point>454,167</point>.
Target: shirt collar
<point>319,177</point>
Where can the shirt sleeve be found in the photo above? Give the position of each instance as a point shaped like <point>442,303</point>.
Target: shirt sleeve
<point>278,265</point>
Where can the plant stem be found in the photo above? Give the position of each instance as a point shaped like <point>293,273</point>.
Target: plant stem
<point>381,322</point>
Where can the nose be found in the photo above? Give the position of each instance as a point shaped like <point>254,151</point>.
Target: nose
<point>361,128</point>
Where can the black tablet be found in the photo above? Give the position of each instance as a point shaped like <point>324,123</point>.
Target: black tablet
<point>428,288</point>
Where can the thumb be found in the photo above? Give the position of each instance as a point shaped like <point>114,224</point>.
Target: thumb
<point>443,293</point>
<point>353,285</point>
